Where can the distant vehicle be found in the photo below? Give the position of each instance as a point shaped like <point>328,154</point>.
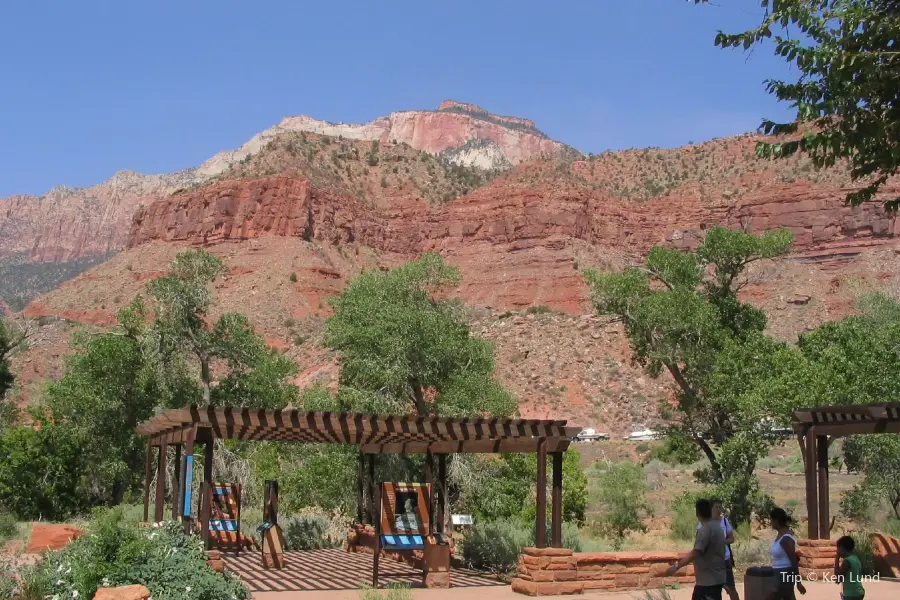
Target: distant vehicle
<point>590,435</point>
<point>643,436</point>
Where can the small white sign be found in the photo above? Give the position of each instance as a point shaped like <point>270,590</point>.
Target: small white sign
<point>462,519</point>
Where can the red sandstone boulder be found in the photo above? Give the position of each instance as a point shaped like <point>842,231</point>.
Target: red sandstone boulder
<point>887,554</point>
<point>51,537</point>
<point>127,592</point>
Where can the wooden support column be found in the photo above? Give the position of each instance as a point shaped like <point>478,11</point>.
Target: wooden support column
<point>176,483</point>
<point>360,487</point>
<point>372,488</point>
<point>159,509</point>
<point>556,516</point>
<point>541,524</point>
<point>429,481</point>
<point>187,479</point>
<point>377,549</point>
<point>824,509</point>
<point>206,494</point>
<point>812,503</point>
<point>442,492</point>
<point>148,473</point>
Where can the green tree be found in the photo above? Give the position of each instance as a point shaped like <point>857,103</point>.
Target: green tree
<point>733,384</point>
<point>12,339</point>
<point>621,493</point>
<point>846,95</point>
<point>413,351</point>
<point>877,457</point>
<point>255,374</point>
<point>112,382</point>
<point>857,361</point>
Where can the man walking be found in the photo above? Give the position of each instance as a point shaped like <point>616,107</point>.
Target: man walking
<point>708,556</point>
<point>728,530</point>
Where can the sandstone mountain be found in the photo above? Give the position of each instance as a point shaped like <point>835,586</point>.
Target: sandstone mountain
<point>305,211</point>
<point>75,228</point>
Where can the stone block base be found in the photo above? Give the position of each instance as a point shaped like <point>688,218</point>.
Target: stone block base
<point>559,571</point>
<point>126,592</point>
<point>439,579</point>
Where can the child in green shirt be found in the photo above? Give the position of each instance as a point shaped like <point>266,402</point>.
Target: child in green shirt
<point>849,570</point>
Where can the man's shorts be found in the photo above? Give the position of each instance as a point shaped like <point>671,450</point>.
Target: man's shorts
<point>707,592</point>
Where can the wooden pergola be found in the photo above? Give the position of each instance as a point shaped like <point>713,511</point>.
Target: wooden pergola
<point>815,428</point>
<point>374,434</point>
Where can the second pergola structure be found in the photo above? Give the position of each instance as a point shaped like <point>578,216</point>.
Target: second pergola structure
<point>815,428</point>
<point>373,434</point>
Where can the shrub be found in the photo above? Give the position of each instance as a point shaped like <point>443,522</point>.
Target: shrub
<point>538,309</point>
<point>293,278</point>
<point>684,521</point>
<point>114,552</point>
<point>495,545</point>
<point>8,527</point>
<point>308,532</point>
<point>622,490</point>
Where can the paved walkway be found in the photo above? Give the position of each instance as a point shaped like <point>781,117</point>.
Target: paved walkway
<point>334,570</point>
<point>820,591</point>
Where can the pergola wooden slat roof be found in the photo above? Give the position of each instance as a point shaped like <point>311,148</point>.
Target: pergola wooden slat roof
<point>374,434</point>
<point>838,421</point>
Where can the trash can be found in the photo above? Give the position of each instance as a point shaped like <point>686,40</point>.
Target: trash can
<point>759,582</point>
<point>436,555</point>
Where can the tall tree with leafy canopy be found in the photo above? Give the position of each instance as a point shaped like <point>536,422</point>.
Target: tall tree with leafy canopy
<point>846,97</point>
<point>11,339</point>
<point>857,360</point>
<point>256,375</point>
<point>411,350</point>
<point>682,315</point>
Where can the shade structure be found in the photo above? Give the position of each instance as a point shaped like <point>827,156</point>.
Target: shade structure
<point>836,421</point>
<point>374,434</point>
<point>815,429</point>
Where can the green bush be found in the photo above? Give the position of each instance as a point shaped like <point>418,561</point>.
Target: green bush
<point>684,521</point>
<point>495,545</point>
<point>114,552</point>
<point>621,493</point>
<point>8,527</point>
<point>308,532</point>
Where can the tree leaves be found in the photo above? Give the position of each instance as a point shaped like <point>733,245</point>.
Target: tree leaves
<point>398,340</point>
<point>847,93</point>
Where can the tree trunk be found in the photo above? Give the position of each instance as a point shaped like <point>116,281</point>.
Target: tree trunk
<point>206,378</point>
<point>704,446</point>
<point>711,456</point>
<point>419,397</point>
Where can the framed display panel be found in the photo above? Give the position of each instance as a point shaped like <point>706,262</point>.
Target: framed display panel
<point>225,520</point>
<point>404,509</point>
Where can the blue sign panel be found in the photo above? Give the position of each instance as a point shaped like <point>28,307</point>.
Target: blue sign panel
<point>188,485</point>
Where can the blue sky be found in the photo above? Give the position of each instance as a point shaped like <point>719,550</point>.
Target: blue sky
<point>94,86</point>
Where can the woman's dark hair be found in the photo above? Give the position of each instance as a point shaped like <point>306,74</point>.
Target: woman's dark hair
<point>846,543</point>
<point>704,509</point>
<point>778,515</point>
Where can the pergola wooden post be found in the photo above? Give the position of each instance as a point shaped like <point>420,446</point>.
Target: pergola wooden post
<point>815,428</point>
<point>206,494</point>
<point>159,509</point>
<point>442,492</point>
<point>556,508</point>
<point>148,474</point>
<point>360,488</point>
<point>176,483</point>
<point>541,524</point>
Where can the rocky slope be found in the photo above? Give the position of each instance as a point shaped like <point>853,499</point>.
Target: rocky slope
<point>300,212</point>
<point>77,226</point>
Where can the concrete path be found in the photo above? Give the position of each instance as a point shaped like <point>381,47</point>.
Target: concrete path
<point>882,590</point>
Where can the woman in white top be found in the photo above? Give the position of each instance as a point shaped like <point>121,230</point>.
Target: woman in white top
<point>784,558</point>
